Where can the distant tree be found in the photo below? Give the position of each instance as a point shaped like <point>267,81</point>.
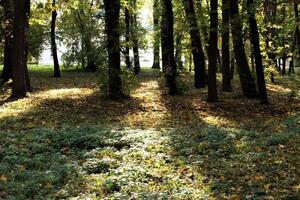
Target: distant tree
<point>156,39</point>
<point>53,40</point>
<point>226,78</point>
<point>135,39</point>
<point>197,49</point>
<point>213,51</point>
<point>112,19</point>
<point>127,36</point>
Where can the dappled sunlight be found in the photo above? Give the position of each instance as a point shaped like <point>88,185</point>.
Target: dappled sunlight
<point>278,88</point>
<point>35,100</point>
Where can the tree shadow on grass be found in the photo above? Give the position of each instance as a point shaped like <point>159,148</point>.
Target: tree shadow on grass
<point>238,161</point>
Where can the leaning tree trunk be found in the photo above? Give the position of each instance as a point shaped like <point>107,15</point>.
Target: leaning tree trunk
<point>246,79</point>
<point>53,41</point>
<point>197,50</point>
<point>156,43</point>
<point>226,78</point>
<point>112,19</point>
<point>213,51</point>
<point>19,88</point>
<point>171,71</point>
<point>257,53</point>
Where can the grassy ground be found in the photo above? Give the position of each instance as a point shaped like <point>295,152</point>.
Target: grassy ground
<point>65,140</point>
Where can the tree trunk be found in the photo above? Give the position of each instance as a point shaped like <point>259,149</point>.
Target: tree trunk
<point>213,51</point>
<point>127,38</point>
<point>171,71</point>
<point>254,37</point>
<point>246,79</point>
<point>226,79</point>
<point>27,10</point>
<point>197,50</point>
<point>135,41</point>
<point>19,88</point>
<point>156,43</point>
<point>297,31</point>
<point>53,41</point>
<point>112,17</point>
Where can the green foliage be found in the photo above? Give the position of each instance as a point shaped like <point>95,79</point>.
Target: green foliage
<point>271,70</point>
<point>182,84</point>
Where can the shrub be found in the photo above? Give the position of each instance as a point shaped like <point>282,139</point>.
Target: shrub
<point>127,77</point>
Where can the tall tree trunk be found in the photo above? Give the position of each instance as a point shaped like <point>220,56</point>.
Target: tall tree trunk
<point>27,10</point>
<point>226,79</point>
<point>197,50</point>
<point>19,88</point>
<point>213,51</point>
<point>53,40</point>
<point>112,19</point>
<point>171,71</point>
<point>135,41</point>
<point>257,53</point>
<point>127,38</point>
<point>164,37</point>
<point>246,79</point>
<point>156,43</point>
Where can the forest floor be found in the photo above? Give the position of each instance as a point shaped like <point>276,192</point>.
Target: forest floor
<point>67,141</point>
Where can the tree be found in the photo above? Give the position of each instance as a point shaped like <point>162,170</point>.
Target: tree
<point>19,71</point>
<point>254,37</point>
<point>53,40</point>
<point>213,48</point>
<point>168,47</point>
<point>112,18</point>
<point>127,37</point>
<point>226,78</point>
<point>135,40</point>
<point>156,43</point>
<point>197,49</point>
<point>246,79</point>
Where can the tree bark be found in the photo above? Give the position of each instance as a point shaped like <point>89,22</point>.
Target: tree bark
<point>112,19</point>
<point>156,43</point>
<point>19,88</point>
<point>197,49</point>
<point>135,41</point>
<point>53,41</point>
<point>226,79</point>
<point>254,37</point>
<point>246,79</point>
<point>171,71</point>
<point>213,51</point>
<point>127,39</point>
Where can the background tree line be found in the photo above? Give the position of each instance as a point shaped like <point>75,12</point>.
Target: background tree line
<point>248,38</point>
